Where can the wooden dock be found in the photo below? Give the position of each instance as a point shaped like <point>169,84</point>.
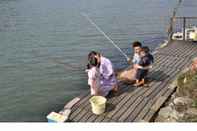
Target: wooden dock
<point>135,104</point>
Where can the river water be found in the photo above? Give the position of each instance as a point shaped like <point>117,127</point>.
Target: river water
<point>44,44</point>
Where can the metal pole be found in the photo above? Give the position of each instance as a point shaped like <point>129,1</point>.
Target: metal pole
<point>184,25</point>
<point>171,29</point>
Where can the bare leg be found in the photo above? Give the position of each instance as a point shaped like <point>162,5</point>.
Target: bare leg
<point>139,83</point>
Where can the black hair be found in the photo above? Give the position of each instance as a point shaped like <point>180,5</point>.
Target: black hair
<point>92,60</point>
<point>136,44</point>
<point>146,49</point>
<point>92,53</point>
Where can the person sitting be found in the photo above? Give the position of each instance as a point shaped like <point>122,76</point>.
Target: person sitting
<point>129,75</point>
<point>150,56</point>
<point>137,48</point>
<point>146,59</point>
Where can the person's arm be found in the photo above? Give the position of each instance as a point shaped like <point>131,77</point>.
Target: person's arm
<point>107,69</point>
<point>147,62</point>
<point>91,76</point>
<point>94,83</point>
<point>138,66</point>
<point>148,67</point>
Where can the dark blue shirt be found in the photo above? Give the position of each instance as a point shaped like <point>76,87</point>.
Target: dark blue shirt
<point>146,60</point>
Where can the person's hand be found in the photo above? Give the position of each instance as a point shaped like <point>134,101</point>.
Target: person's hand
<point>135,66</point>
<point>129,60</point>
<point>150,67</point>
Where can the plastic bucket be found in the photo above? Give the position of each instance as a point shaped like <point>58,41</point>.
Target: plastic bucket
<point>98,104</point>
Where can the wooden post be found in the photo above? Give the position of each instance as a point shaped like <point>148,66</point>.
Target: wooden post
<point>184,25</point>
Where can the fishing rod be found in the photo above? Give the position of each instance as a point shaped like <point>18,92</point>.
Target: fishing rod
<point>103,33</point>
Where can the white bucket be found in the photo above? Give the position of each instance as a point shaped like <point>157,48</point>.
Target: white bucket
<point>98,104</point>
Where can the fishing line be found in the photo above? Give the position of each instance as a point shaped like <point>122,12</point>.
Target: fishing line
<point>103,33</point>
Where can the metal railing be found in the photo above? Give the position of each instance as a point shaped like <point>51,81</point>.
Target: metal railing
<point>179,24</point>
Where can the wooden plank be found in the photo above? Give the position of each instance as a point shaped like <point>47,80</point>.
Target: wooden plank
<point>131,117</point>
<point>71,103</point>
<point>92,118</point>
<point>112,120</point>
<point>128,103</point>
<point>145,110</point>
<point>118,97</point>
<point>78,107</point>
<point>147,93</point>
<point>84,109</point>
<point>82,100</point>
<point>86,117</point>
<point>80,115</point>
<point>151,113</point>
<point>148,106</point>
<point>175,51</point>
<point>149,116</point>
<point>158,103</point>
<point>88,108</point>
<point>150,103</point>
<point>161,89</point>
<point>99,118</point>
<point>121,106</point>
<point>130,109</point>
<point>110,100</point>
<point>154,99</point>
<point>184,62</point>
<point>74,113</point>
<point>141,114</point>
<point>107,120</point>
<point>183,53</point>
<point>121,103</point>
<point>169,92</point>
<point>157,89</point>
<point>114,101</point>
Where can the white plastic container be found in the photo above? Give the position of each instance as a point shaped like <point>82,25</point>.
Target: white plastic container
<point>56,117</point>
